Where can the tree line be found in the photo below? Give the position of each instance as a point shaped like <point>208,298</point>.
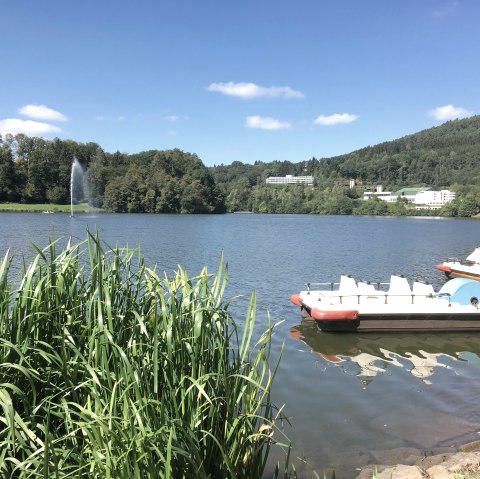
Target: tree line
<point>447,156</point>
<point>35,170</point>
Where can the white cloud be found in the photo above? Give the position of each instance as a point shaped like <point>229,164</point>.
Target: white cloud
<point>100,118</point>
<point>42,112</point>
<point>335,119</point>
<point>28,127</point>
<point>172,118</point>
<point>449,112</point>
<point>248,91</point>
<point>267,123</point>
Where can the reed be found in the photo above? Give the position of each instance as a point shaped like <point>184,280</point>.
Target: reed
<point>108,369</point>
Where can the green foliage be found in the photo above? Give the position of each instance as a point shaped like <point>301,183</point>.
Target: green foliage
<point>57,195</point>
<point>160,182</point>
<point>149,182</point>
<point>373,206</point>
<point>7,173</point>
<point>468,205</point>
<point>446,156</point>
<point>34,170</point>
<point>109,370</point>
<point>437,157</point>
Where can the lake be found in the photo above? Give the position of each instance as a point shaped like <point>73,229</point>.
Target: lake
<point>351,399</point>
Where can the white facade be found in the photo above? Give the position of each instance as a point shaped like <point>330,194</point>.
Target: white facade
<point>410,197</point>
<point>290,179</point>
<point>427,199</point>
<point>383,195</point>
<point>380,194</point>
<point>434,199</point>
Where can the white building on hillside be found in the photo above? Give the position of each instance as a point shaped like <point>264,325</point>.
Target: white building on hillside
<point>409,194</point>
<point>290,180</point>
<point>423,198</point>
<point>434,199</point>
<point>380,194</point>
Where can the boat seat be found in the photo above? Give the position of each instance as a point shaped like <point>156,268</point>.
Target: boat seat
<point>475,256</point>
<point>422,291</point>
<point>369,293</point>
<point>398,290</point>
<point>348,290</point>
<point>366,288</point>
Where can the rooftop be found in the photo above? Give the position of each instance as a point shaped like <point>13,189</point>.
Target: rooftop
<point>411,191</point>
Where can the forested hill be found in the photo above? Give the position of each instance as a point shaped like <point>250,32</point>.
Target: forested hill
<point>443,156</point>
<point>35,170</point>
<point>438,157</point>
<point>447,156</point>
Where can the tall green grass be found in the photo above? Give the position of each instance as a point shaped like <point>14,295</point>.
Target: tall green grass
<point>108,370</point>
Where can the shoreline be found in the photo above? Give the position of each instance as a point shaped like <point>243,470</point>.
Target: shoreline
<point>465,459</point>
<point>47,208</point>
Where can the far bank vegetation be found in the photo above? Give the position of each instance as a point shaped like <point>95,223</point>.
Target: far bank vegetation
<point>36,171</point>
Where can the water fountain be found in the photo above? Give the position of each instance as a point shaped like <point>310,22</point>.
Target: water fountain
<point>77,178</point>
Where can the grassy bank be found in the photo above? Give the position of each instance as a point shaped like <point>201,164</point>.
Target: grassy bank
<point>109,370</point>
<point>47,208</point>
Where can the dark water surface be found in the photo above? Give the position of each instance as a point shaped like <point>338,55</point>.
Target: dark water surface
<point>351,399</point>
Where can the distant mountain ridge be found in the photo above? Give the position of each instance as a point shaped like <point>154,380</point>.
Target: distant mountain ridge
<point>438,157</point>
<point>455,132</point>
<point>446,156</point>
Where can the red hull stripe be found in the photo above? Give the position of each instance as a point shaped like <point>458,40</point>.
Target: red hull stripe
<point>334,315</point>
<point>296,300</point>
<point>442,267</point>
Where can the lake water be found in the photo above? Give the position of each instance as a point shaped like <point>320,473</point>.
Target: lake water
<point>351,399</point>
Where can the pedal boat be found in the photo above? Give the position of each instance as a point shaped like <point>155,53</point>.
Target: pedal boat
<point>467,268</point>
<point>395,306</point>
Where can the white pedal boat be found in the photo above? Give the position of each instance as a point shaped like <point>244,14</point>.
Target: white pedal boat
<point>467,268</point>
<point>395,306</point>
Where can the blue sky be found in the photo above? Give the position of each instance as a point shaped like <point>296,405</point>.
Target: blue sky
<point>241,80</point>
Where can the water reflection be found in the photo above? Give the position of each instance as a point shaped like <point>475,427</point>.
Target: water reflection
<point>372,354</point>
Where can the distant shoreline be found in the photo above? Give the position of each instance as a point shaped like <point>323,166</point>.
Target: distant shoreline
<point>85,208</point>
<point>47,208</point>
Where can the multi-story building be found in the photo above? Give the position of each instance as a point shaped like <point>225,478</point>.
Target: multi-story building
<point>410,194</point>
<point>380,194</point>
<point>423,198</point>
<point>433,199</point>
<point>290,180</point>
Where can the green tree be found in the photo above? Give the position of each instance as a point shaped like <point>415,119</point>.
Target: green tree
<point>469,205</point>
<point>7,173</point>
<point>57,195</point>
<point>116,196</point>
<point>97,177</point>
<point>168,199</point>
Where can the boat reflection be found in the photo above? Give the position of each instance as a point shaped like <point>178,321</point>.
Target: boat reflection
<point>372,354</point>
